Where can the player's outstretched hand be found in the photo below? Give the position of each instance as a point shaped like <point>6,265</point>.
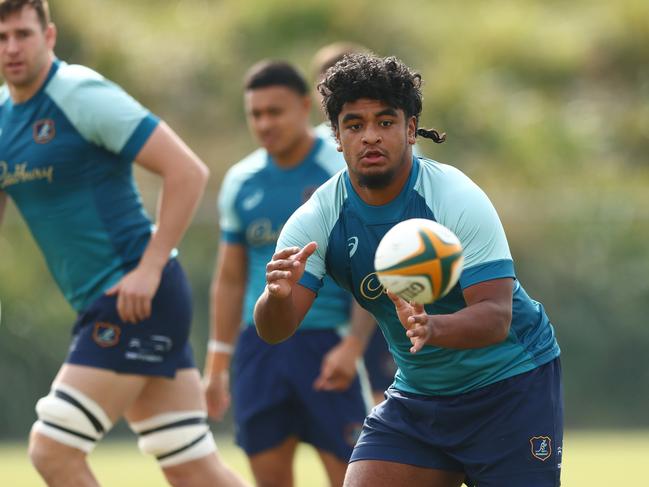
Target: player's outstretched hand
<point>286,268</point>
<point>413,317</point>
<point>134,293</point>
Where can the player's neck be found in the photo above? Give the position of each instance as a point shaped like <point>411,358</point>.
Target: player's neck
<point>21,94</point>
<point>383,196</point>
<point>295,154</point>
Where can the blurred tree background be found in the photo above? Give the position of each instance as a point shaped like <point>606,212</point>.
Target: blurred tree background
<point>546,106</point>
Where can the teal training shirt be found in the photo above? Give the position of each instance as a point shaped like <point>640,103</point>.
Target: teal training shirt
<point>348,231</point>
<point>66,161</point>
<point>256,199</point>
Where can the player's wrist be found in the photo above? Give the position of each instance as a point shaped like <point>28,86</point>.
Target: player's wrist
<point>356,344</point>
<point>153,263</point>
<point>218,346</point>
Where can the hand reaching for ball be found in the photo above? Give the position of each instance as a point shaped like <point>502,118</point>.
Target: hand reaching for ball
<point>413,317</point>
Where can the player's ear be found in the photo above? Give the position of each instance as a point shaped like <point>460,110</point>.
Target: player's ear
<point>50,36</point>
<point>412,130</point>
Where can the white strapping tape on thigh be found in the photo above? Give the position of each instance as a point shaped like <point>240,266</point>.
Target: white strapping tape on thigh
<point>175,437</point>
<point>70,417</point>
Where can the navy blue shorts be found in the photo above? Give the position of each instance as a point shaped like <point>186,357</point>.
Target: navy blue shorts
<point>379,362</point>
<point>274,398</point>
<point>507,434</point>
<point>157,346</point>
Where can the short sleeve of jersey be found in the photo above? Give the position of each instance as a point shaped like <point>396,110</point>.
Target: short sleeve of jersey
<point>229,221</point>
<point>467,211</point>
<point>306,225</point>
<point>102,112</point>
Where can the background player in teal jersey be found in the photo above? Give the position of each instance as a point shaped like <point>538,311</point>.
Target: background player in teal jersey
<point>377,358</point>
<point>305,389</point>
<point>67,141</point>
<point>477,397</point>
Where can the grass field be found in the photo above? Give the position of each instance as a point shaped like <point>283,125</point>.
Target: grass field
<point>590,459</point>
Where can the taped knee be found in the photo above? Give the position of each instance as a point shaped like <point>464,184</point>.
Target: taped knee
<point>175,438</point>
<point>72,418</point>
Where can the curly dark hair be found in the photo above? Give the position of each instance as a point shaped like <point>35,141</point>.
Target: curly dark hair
<point>362,75</point>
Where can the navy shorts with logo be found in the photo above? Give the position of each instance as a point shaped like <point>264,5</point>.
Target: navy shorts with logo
<point>157,346</point>
<point>274,398</point>
<point>507,434</point>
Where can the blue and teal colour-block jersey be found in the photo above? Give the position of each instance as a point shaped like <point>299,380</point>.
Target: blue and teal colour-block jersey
<point>348,231</point>
<point>257,197</point>
<point>65,160</point>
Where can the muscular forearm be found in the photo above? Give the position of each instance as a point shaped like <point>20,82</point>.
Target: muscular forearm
<point>181,193</point>
<point>476,326</point>
<point>275,317</point>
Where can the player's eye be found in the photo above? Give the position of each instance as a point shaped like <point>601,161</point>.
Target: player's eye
<point>386,123</point>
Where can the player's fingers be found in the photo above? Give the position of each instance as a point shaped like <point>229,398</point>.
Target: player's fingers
<point>146,308</point>
<point>393,297</point>
<point>322,381</point>
<point>306,252</point>
<point>418,308</point>
<point>274,288</point>
<point>285,253</point>
<point>220,407</point>
<point>126,308</point>
<point>141,308</point>
<point>398,301</point>
<point>418,319</point>
<point>119,304</point>
<point>417,344</point>
<point>416,331</point>
<point>277,275</point>
<point>282,264</point>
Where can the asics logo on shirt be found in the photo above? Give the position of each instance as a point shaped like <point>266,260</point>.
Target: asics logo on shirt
<point>352,243</point>
<point>249,202</point>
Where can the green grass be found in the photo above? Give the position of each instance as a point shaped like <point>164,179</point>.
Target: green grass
<point>590,459</point>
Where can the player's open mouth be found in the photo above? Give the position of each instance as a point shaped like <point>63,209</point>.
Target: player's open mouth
<point>372,156</point>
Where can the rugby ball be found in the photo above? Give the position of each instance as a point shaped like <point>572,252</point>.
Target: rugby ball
<point>419,260</point>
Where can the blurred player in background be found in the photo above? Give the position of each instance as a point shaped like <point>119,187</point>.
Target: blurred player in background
<point>68,139</point>
<point>306,388</point>
<point>477,397</point>
<point>377,358</point>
